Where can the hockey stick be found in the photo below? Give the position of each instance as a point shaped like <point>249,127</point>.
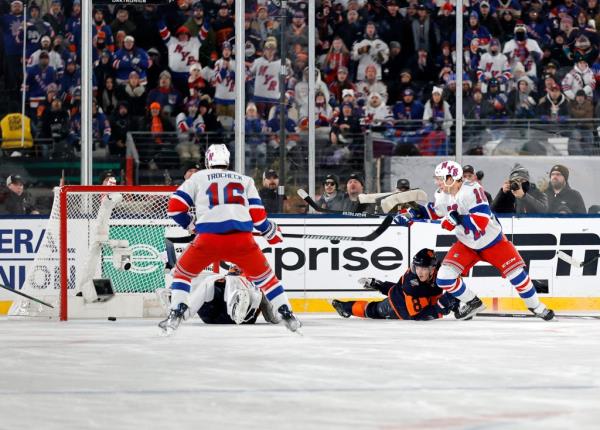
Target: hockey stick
<point>308,199</point>
<point>576,263</point>
<point>517,315</point>
<point>26,296</point>
<point>369,237</point>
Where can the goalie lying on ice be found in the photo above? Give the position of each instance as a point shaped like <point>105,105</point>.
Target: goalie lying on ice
<point>414,297</point>
<point>224,299</point>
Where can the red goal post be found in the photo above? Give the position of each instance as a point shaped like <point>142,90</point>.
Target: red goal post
<point>109,232</point>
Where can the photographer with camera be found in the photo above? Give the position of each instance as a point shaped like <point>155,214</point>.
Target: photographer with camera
<point>518,195</point>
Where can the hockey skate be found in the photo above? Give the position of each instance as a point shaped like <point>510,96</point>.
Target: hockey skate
<point>268,311</point>
<point>469,309</point>
<point>543,312</point>
<point>171,323</point>
<point>292,323</point>
<point>342,308</point>
<point>240,302</point>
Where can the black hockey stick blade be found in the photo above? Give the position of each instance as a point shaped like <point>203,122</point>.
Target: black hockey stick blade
<point>387,221</point>
<point>27,296</point>
<point>524,315</point>
<point>309,200</point>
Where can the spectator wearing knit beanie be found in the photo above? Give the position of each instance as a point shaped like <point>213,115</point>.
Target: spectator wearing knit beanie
<point>560,194</point>
<point>519,195</point>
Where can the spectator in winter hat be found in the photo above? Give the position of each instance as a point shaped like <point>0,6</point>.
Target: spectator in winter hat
<point>581,108</point>
<point>580,77</point>
<point>554,107</point>
<point>18,201</point>
<point>355,185</point>
<point>331,198</point>
<point>560,194</point>
<point>128,59</point>
<point>166,94</point>
<point>519,195</point>
<point>269,194</point>
<point>402,185</point>
<point>122,22</point>
<point>340,84</point>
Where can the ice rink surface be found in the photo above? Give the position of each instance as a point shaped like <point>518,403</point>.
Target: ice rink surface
<point>492,373</point>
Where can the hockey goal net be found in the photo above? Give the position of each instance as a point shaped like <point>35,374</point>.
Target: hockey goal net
<point>111,234</point>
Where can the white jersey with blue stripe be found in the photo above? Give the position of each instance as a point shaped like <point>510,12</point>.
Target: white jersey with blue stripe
<point>479,228</point>
<point>225,201</point>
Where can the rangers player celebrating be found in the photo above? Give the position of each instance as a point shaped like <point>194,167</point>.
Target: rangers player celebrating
<point>228,208</point>
<point>464,209</point>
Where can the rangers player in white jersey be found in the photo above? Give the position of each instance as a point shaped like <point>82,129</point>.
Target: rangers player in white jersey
<point>227,209</point>
<point>464,209</point>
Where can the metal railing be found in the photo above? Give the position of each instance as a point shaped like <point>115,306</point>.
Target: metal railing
<point>490,137</point>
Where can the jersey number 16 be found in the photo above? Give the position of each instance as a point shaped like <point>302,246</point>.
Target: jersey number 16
<point>233,194</point>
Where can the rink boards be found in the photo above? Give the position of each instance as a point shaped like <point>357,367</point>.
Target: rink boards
<point>314,270</point>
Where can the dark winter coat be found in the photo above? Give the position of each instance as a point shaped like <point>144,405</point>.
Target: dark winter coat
<point>18,204</point>
<point>565,198</point>
<point>534,202</point>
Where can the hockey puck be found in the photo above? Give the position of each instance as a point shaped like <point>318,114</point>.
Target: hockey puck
<point>112,318</point>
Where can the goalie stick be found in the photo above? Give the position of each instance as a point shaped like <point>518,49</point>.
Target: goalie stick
<point>576,263</point>
<point>27,296</point>
<point>518,315</point>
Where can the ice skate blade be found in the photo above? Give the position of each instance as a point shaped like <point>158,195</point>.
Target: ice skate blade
<point>472,313</point>
<point>165,332</point>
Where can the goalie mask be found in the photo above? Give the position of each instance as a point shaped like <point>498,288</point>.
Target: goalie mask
<point>216,155</point>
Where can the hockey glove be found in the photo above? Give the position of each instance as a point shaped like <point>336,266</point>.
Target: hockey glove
<point>451,220</point>
<point>273,234</point>
<point>370,283</point>
<point>192,225</point>
<point>402,220</point>
<point>447,304</point>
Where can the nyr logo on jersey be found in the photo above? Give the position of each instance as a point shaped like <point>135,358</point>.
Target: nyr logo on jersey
<point>186,56</point>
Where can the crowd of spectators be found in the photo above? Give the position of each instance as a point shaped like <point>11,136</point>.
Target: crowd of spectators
<point>169,69</point>
<point>516,195</point>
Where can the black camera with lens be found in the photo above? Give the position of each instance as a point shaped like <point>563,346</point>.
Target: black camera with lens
<point>514,185</point>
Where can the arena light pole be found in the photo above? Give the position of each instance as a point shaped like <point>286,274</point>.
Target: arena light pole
<point>458,120</point>
<point>86,138</point>
<point>240,83</point>
<point>24,81</point>
<point>282,4</point>
<point>311,97</point>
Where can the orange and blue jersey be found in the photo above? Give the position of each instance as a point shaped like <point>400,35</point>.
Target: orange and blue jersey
<point>412,299</point>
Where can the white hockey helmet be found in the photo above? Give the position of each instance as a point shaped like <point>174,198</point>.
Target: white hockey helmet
<point>216,155</point>
<point>449,168</point>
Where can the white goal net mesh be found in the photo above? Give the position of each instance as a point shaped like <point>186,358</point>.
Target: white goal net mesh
<point>135,221</point>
